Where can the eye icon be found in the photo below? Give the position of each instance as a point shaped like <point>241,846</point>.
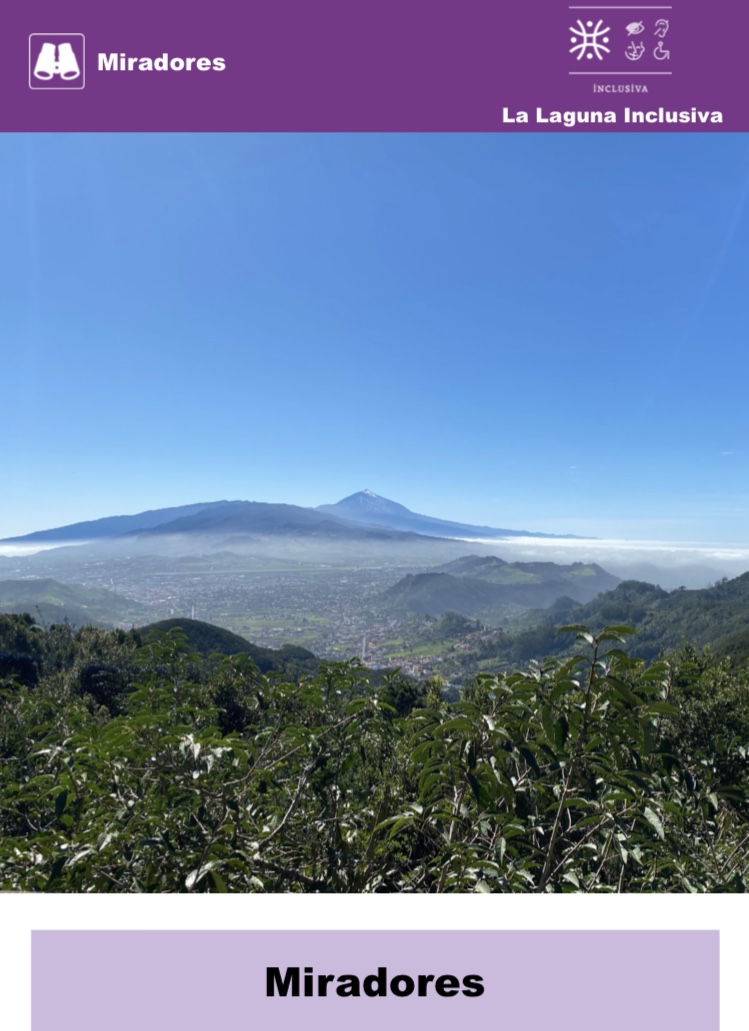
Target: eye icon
<point>635,28</point>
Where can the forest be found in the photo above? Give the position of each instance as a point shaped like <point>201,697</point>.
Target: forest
<point>147,762</point>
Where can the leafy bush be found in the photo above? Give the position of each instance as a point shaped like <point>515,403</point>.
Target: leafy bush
<point>144,767</point>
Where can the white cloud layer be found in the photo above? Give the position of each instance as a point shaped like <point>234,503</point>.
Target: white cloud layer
<point>21,550</point>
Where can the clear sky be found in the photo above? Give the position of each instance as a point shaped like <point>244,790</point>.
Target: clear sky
<point>541,331</point>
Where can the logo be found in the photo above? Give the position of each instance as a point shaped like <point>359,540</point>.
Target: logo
<point>57,60</point>
<point>589,40</point>
<point>618,46</point>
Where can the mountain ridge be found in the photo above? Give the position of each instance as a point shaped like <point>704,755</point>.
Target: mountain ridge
<point>483,587</point>
<point>366,506</point>
<point>263,518</point>
<point>112,526</point>
<point>364,509</point>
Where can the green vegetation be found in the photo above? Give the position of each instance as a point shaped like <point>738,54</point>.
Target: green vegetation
<point>206,639</point>
<point>132,763</point>
<point>54,602</point>
<point>496,570</point>
<point>491,589</point>
<point>717,616</point>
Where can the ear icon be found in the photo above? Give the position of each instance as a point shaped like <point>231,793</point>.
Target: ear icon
<point>45,62</point>
<point>68,64</point>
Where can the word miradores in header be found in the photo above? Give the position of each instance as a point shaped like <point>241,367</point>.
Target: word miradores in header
<point>295,982</point>
<point>632,117</point>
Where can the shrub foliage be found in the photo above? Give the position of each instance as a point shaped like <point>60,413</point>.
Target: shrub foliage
<point>131,767</point>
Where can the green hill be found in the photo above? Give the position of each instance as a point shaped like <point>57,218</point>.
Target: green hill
<point>579,580</point>
<point>54,602</point>
<point>665,620</point>
<point>717,616</point>
<point>433,594</point>
<point>207,639</point>
<point>735,647</point>
<point>490,589</point>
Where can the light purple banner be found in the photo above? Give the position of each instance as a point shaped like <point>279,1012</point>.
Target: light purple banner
<point>193,980</point>
<point>403,65</point>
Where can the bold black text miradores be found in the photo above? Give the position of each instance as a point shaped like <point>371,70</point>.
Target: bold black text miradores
<point>298,981</point>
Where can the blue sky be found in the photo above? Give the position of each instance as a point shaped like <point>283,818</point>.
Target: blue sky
<point>542,331</point>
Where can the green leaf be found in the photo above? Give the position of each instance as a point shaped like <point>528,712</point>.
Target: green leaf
<point>60,803</point>
<point>481,795</point>
<point>662,709</point>
<point>561,732</point>
<point>623,691</point>
<point>218,882</point>
<point>530,758</point>
<point>427,782</point>
<point>547,719</point>
<point>55,872</point>
<point>654,821</point>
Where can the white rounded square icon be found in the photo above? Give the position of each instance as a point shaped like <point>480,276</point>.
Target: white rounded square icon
<point>57,60</point>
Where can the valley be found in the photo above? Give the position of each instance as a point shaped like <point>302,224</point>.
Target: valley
<point>364,578</point>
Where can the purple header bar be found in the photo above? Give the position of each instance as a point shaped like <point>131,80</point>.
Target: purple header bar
<point>193,980</point>
<point>390,65</point>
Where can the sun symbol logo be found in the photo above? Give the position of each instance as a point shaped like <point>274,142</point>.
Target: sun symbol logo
<point>591,41</point>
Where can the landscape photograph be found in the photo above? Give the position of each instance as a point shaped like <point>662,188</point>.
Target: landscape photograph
<point>374,513</point>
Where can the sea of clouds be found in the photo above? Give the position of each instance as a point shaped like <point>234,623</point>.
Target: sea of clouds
<point>691,564</point>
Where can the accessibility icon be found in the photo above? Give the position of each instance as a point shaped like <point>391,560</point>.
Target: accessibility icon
<point>57,60</point>
<point>661,28</point>
<point>660,54</point>
<point>635,51</point>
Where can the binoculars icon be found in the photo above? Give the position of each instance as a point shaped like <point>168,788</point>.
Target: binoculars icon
<point>56,60</point>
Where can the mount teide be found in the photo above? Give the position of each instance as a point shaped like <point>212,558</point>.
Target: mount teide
<point>364,515</point>
<point>368,507</point>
